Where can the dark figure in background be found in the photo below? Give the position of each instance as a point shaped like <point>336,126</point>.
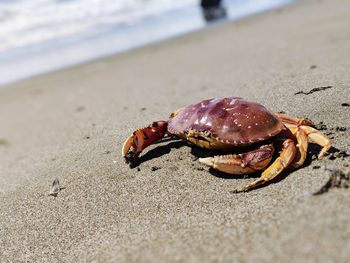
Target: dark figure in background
<point>212,10</point>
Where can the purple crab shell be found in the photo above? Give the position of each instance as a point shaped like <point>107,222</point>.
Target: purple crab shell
<point>233,121</point>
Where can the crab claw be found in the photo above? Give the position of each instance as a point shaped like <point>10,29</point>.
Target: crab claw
<point>129,151</point>
<point>140,139</point>
<point>244,163</point>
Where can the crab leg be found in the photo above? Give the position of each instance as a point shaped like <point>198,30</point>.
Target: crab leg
<point>296,125</point>
<point>301,146</point>
<point>287,119</point>
<point>283,161</point>
<point>244,163</point>
<point>293,124</point>
<point>311,134</point>
<point>141,138</point>
<point>318,138</point>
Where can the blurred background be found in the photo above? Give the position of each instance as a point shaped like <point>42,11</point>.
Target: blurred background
<point>39,36</point>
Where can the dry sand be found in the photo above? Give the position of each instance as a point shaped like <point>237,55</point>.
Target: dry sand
<point>71,124</point>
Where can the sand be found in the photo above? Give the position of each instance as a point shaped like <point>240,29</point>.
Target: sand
<point>71,124</point>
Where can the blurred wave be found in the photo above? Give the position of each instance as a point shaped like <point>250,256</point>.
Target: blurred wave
<point>39,36</point>
<point>27,22</point>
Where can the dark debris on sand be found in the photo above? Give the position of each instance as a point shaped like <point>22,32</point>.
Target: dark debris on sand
<point>338,179</point>
<point>329,131</point>
<point>313,66</point>
<point>132,159</point>
<point>313,90</point>
<point>155,168</point>
<point>338,154</point>
<point>321,126</point>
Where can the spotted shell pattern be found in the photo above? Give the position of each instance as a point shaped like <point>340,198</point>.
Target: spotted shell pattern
<point>233,121</point>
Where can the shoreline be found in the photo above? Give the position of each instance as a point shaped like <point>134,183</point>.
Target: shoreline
<point>31,61</point>
<point>70,124</point>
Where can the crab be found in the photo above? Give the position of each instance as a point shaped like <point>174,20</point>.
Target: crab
<point>246,132</point>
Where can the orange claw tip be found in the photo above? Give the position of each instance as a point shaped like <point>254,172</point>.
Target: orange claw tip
<point>127,145</point>
<point>128,152</point>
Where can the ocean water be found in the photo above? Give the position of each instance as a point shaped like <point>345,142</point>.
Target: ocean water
<point>38,36</point>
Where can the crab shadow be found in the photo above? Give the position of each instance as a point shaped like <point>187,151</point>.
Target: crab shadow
<point>198,152</point>
<point>160,150</point>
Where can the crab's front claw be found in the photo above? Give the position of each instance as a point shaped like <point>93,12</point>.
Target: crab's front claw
<point>140,139</point>
<point>129,151</point>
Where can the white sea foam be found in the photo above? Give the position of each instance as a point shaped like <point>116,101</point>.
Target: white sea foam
<point>38,36</point>
<point>29,22</point>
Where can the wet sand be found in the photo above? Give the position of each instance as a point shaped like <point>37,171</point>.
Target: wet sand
<point>71,124</point>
